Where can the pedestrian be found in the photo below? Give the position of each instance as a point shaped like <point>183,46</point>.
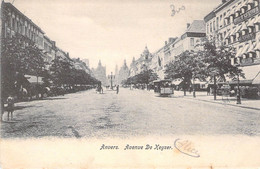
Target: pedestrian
<point>117,89</point>
<point>208,91</point>
<point>10,106</point>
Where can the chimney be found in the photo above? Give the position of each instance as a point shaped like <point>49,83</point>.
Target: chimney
<point>165,42</point>
<point>188,25</point>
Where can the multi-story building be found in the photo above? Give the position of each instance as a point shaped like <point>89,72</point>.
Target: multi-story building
<point>142,63</point>
<point>236,23</point>
<point>49,49</point>
<point>157,63</point>
<point>81,65</point>
<point>190,40</point>
<point>15,22</point>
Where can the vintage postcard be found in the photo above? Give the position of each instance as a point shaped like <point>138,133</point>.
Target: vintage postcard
<point>134,84</point>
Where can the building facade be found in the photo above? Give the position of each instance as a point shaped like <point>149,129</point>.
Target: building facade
<point>236,23</point>
<point>123,73</point>
<point>15,22</point>
<point>100,73</point>
<point>142,63</point>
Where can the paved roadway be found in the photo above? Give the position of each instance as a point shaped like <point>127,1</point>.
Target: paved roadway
<point>129,113</point>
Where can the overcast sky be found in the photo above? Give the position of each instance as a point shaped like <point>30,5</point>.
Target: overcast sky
<point>112,30</point>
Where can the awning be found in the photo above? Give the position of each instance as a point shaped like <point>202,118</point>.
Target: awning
<point>252,47</point>
<point>256,79</point>
<point>239,52</point>
<point>228,14</point>
<point>258,19</point>
<point>251,1</point>
<point>233,32</point>
<point>252,21</point>
<point>233,12</point>
<point>241,82</point>
<point>197,81</point>
<point>244,27</point>
<point>257,46</point>
<point>244,4</point>
<point>236,29</point>
<point>227,35</point>
<point>245,49</point>
<point>251,74</point>
<point>33,79</point>
<point>239,7</point>
<point>251,71</point>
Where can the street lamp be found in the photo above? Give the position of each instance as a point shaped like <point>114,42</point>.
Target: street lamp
<point>238,91</point>
<point>111,79</point>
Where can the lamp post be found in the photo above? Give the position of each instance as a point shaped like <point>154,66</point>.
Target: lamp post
<point>238,91</point>
<point>111,80</point>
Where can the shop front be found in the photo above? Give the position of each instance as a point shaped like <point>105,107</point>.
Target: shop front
<point>249,84</point>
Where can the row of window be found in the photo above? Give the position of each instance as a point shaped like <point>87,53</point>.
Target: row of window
<point>247,57</point>
<point>24,28</point>
<point>235,36</point>
<point>228,17</point>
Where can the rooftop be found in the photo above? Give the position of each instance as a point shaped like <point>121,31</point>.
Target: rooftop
<point>197,26</point>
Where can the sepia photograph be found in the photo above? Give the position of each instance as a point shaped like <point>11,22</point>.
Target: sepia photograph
<point>130,84</point>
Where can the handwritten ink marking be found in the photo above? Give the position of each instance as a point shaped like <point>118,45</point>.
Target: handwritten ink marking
<point>185,147</point>
<point>174,11</point>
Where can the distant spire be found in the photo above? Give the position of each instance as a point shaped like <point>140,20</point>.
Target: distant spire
<point>99,63</point>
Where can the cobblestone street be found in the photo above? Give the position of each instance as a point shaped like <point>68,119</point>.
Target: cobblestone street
<point>129,113</point>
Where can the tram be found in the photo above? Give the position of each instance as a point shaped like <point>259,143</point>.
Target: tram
<point>163,87</point>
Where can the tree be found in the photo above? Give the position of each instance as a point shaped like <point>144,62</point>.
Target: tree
<point>61,71</point>
<point>145,77</point>
<point>186,66</point>
<point>218,63</point>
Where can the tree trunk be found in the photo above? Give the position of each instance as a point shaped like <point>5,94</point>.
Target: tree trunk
<point>37,88</point>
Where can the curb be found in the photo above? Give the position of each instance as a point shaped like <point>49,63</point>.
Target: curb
<point>246,107</point>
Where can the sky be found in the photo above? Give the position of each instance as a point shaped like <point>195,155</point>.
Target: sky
<point>112,30</point>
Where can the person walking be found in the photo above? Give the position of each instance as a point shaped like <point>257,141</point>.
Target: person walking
<point>208,90</point>
<point>10,106</point>
<point>117,89</point>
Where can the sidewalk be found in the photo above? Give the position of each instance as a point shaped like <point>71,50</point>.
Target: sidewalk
<point>232,101</point>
